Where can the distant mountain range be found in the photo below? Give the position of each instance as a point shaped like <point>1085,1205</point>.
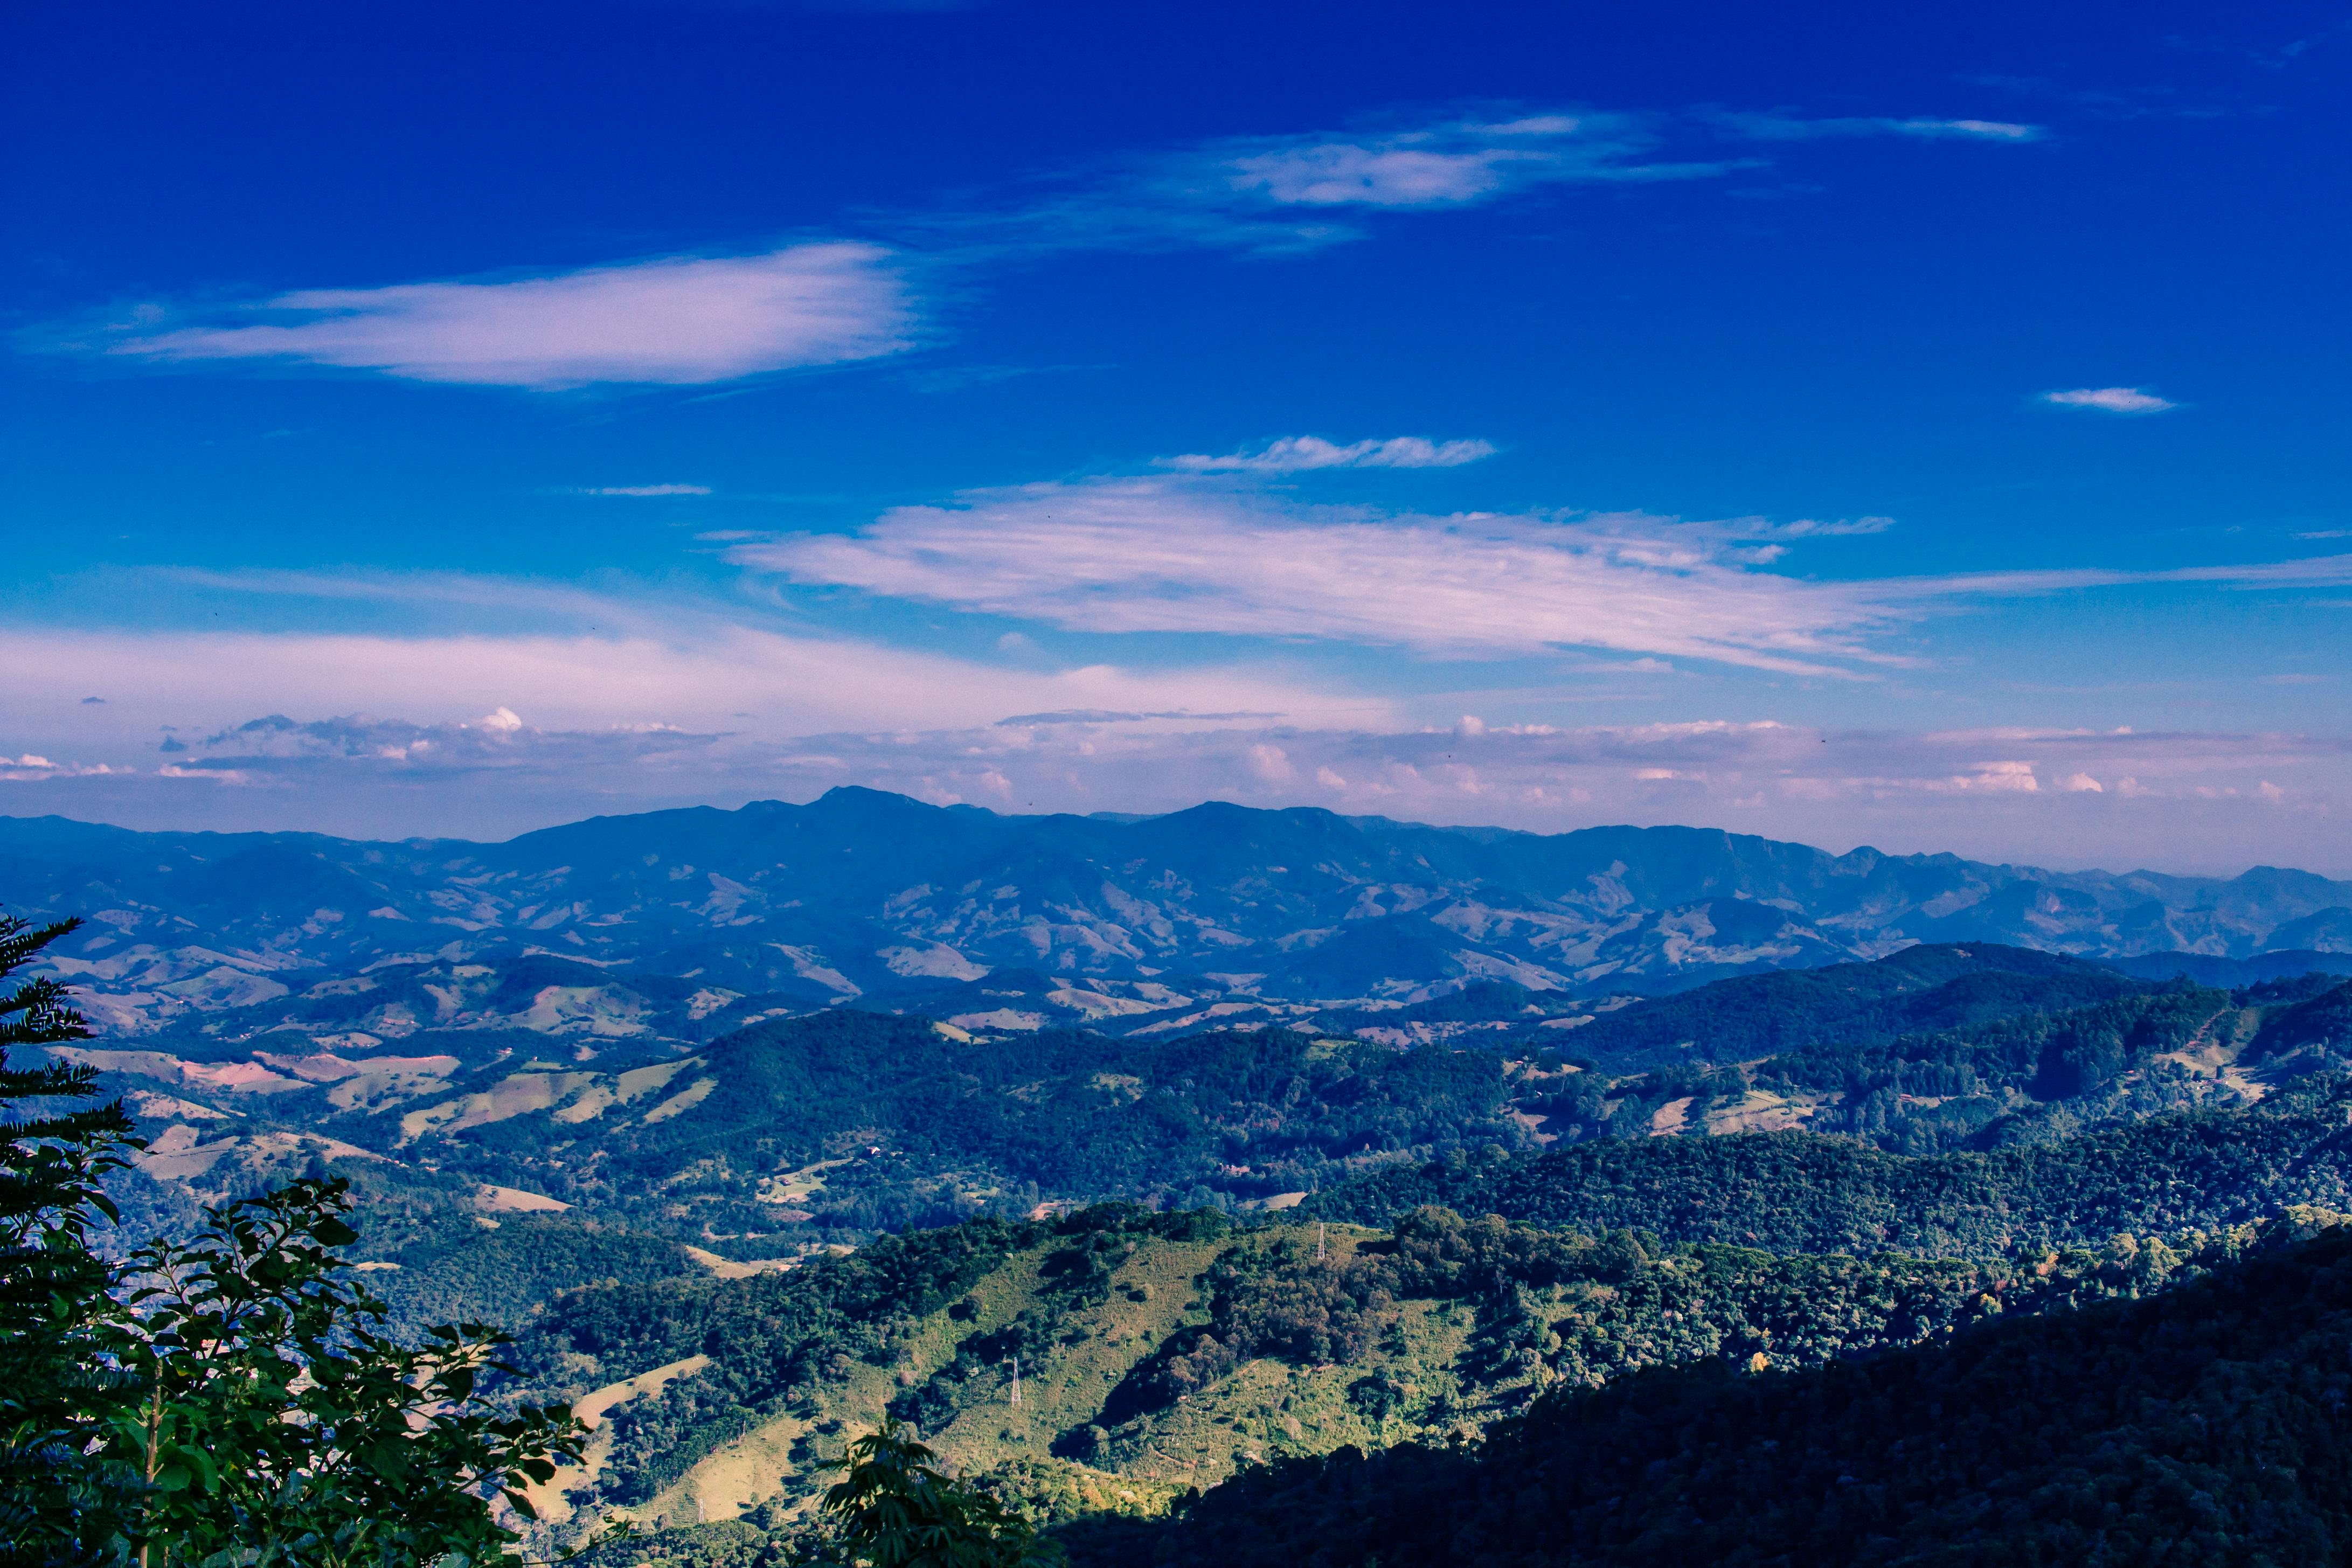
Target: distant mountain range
<point>678,924</point>
<point>1029,920</point>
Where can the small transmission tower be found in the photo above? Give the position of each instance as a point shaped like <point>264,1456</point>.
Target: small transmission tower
<point>1319,1241</point>
<point>1016,1378</point>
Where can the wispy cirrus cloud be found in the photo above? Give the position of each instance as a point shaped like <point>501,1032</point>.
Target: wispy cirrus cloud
<point>1298,454</point>
<point>1169,556</point>
<point>2109,400</point>
<point>1796,127</point>
<point>640,491</point>
<point>2307,572</point>
<point>669,320</point>
<point>1449,162</point>
<point>1212,553</point>
<point>1303,191</point>
<point>1759,541</point>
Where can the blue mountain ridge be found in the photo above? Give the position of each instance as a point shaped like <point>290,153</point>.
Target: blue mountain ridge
<point>864,894</point>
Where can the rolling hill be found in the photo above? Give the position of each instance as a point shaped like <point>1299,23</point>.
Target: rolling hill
<point>826,1128</point>
<point>1916,990</point>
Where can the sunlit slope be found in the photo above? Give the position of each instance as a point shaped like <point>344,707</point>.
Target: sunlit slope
<point>1161,1352</point>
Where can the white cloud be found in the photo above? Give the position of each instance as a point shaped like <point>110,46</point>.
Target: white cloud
<point>2110,400</point>
<point>642,490</point>
<point>1134,555</point>
<point>2310,571</point>
<point>676,321</point>
<point>32,768</point>
<point>1818,528</point>
<point>1271,763</point>
<point>1295,454</point>
<point>1790,127</point>
<point>2005,777</point>
<point>1975,130</point>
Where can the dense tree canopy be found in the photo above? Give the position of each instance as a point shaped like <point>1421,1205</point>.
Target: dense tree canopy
<point>1798,1192</point>
<point>228,1396</point>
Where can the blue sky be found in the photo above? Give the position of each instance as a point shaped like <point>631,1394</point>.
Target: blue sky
<point>1921,427</point>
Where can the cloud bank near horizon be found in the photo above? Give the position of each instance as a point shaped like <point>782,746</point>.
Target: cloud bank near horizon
<point>2065,798</point>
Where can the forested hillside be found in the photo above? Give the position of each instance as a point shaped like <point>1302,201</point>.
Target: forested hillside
<point>1919,990</point>
<point>1159,1352</point>
<point>1798,1192</point>
<point>2203,1424</point>
<point>831,1128</point>
<point>2023,1075</point>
